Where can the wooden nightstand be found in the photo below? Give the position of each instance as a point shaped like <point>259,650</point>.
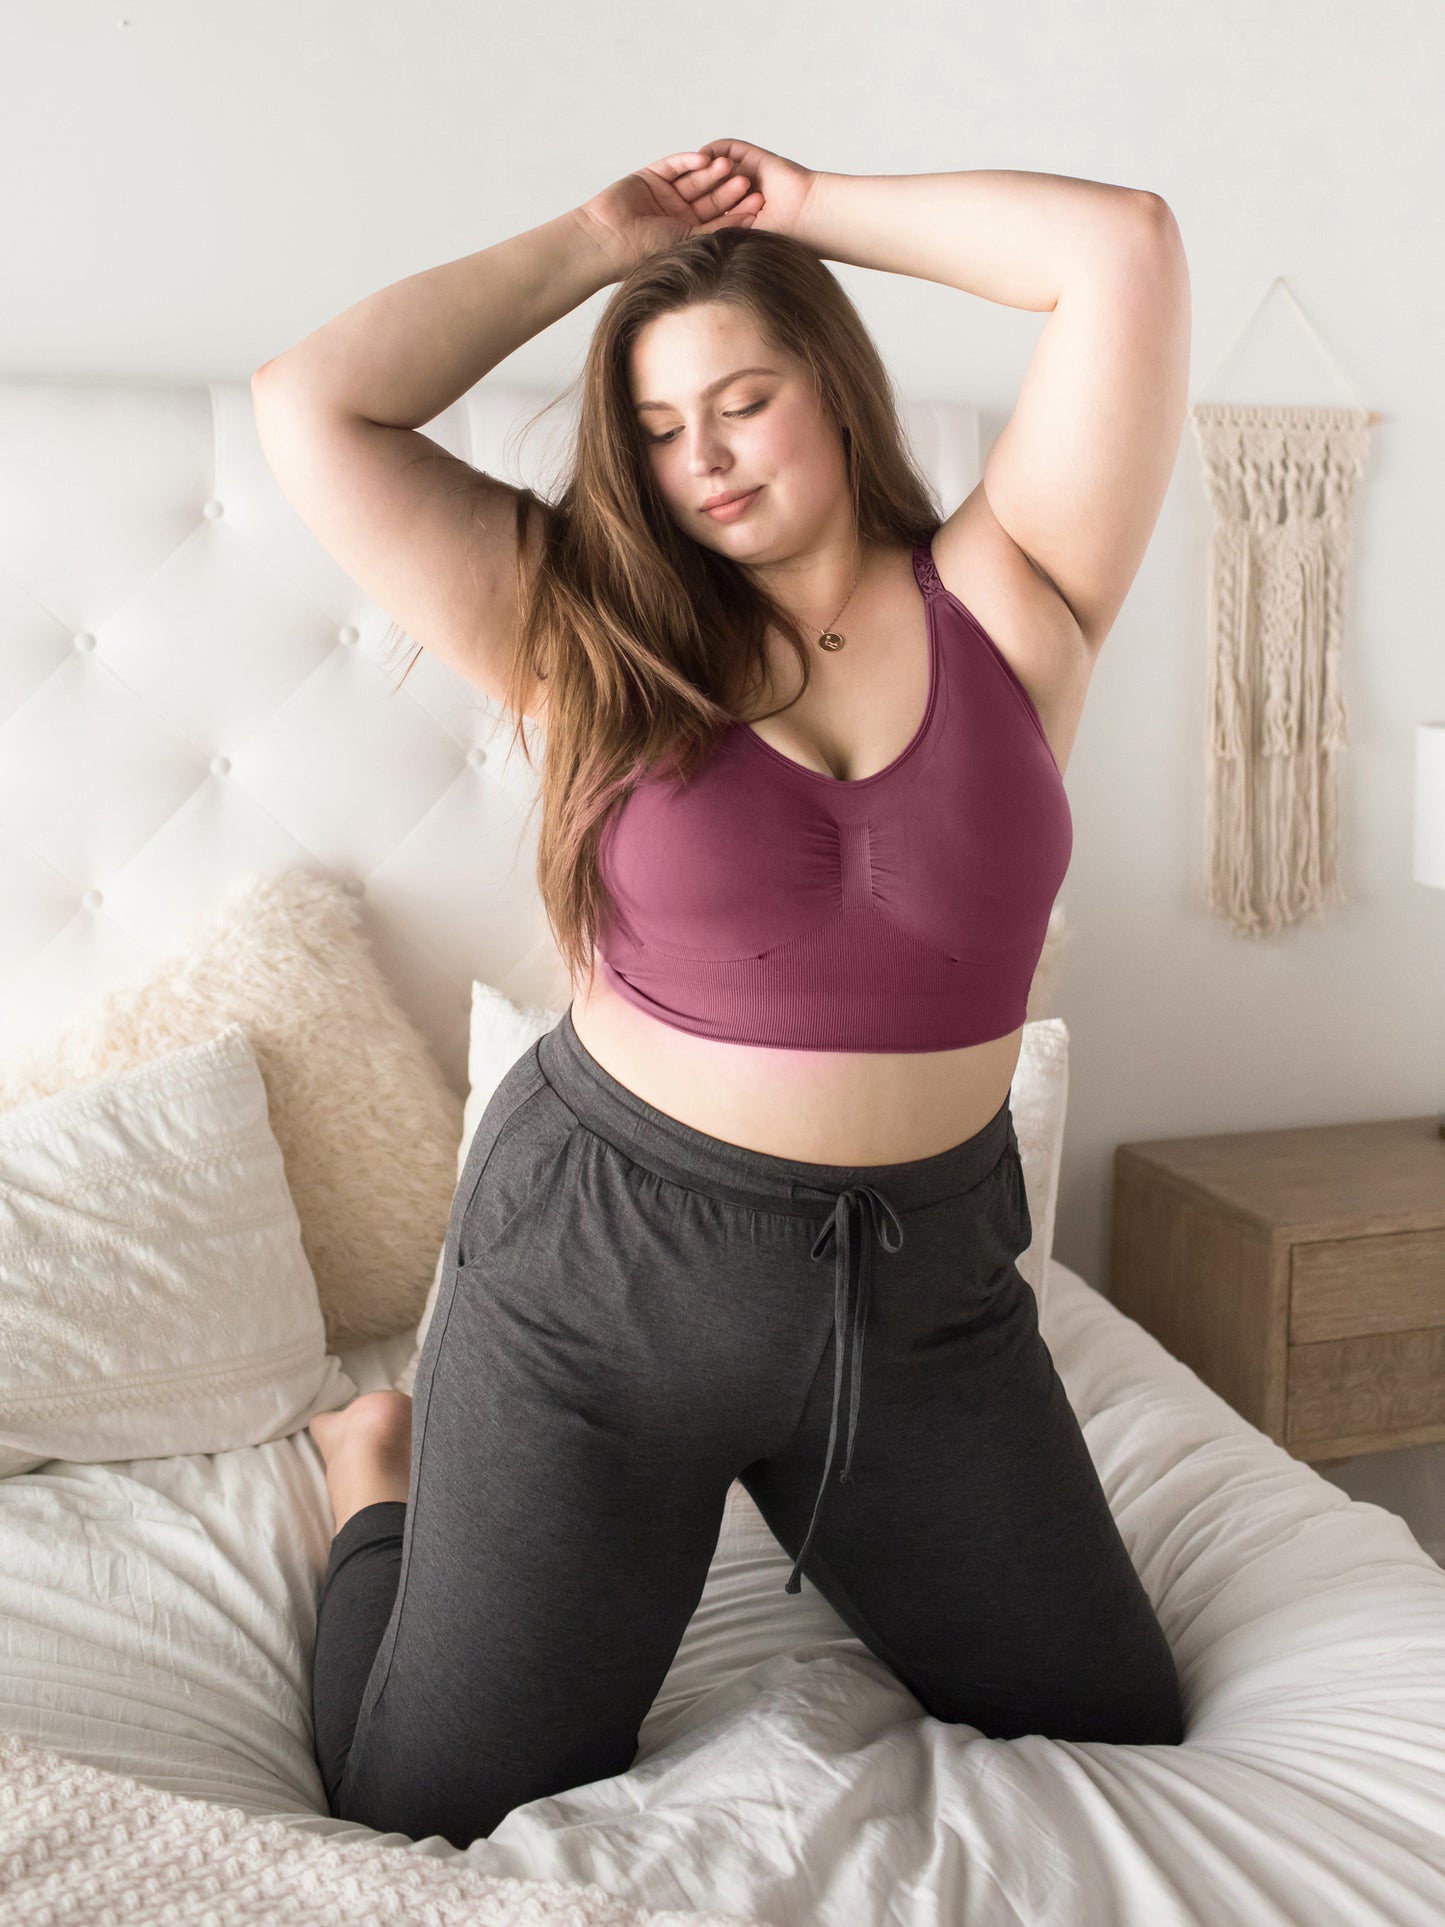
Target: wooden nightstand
<point>1300,1273</point>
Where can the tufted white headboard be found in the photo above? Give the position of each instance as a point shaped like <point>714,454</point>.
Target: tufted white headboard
<point>192,691</point>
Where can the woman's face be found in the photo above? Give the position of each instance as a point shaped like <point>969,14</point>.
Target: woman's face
<point>709,429</point>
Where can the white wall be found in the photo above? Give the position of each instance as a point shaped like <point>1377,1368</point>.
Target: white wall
<point>191,189</point>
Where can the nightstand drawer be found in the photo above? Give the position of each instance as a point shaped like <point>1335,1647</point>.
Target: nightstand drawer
<point>1346,1393</point>
<point>1348,1287</point>
<point>1300,1273</point>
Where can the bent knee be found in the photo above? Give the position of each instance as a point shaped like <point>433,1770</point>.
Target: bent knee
<point>1145,1709</point>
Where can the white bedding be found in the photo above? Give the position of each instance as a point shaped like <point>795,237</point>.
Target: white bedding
<point>156,1619</point>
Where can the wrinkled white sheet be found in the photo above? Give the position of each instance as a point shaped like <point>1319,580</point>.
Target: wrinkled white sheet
<point>156,1618</point>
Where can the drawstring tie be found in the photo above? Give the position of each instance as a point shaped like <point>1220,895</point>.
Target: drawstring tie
<point>839,1229</point>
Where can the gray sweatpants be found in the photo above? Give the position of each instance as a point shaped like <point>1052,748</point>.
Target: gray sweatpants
<point>632,1314</point>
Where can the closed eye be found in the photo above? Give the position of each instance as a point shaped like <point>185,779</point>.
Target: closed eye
<point>735,413</point>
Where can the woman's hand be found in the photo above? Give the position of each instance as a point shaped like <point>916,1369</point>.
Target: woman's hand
<point>724,184</point>
<point>784,185</point>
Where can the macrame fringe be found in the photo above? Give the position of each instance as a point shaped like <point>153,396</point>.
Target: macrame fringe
<point>1281,482</point>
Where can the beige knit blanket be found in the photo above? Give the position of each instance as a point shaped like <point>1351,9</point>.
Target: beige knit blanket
<point>82,1848</point>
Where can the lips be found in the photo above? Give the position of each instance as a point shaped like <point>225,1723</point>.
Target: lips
<point>732,498</point>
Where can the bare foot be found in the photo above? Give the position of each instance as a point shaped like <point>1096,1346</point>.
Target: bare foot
<point>367,1449</point>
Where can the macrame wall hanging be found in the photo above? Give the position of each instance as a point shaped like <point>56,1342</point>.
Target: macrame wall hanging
<point>1281,484</point>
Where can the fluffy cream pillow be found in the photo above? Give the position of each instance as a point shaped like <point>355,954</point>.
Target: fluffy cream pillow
<point>365,1119</point>
<point>156,1297</point>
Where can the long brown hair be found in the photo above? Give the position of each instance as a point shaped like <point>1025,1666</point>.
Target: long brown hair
<point>647,641</point>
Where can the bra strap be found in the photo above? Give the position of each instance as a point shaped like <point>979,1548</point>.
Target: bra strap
<point>928,577</point>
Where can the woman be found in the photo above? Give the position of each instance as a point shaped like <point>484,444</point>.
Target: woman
<point>768,1148</point>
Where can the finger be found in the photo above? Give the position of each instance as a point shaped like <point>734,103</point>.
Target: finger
<point>743,215</point>
<point>728,221</point>
<point>709,176</point>
<point>678,164</point>
<point>727,197</point>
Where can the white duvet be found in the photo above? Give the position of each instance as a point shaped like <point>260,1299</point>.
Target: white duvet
<point>156,1619</point>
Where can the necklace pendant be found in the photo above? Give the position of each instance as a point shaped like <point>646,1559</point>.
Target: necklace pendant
<point>830,639</point>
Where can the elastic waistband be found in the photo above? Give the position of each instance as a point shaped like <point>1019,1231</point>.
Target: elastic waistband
<point>733,1172</point>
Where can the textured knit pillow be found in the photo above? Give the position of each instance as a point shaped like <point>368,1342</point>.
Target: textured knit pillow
<point>156,1297</point>
<point>365,1119</point>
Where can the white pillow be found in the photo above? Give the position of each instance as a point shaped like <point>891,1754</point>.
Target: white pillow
<point>1038,1099</point>
<point>156,1297</point>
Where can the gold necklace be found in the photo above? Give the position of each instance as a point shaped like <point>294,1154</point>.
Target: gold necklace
<point>830,639</point>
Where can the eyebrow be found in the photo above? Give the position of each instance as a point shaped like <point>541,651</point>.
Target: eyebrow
<point>712,387</point>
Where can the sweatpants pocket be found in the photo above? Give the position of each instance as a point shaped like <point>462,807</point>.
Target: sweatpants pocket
<point>523,1150</point>
<point>1024,1224</point>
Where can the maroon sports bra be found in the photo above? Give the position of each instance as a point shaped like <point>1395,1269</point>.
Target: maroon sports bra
<point>766,903</point>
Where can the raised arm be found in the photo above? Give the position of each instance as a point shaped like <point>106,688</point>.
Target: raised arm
<point>1078,474</point>
<point>431,540</point>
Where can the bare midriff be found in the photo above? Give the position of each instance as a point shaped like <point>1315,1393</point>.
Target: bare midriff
<point>817,1106</point>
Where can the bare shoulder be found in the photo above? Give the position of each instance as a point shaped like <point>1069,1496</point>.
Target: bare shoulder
<point>1035,631</point>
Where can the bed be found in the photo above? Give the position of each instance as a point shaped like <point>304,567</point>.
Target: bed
<point>192,699</point>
